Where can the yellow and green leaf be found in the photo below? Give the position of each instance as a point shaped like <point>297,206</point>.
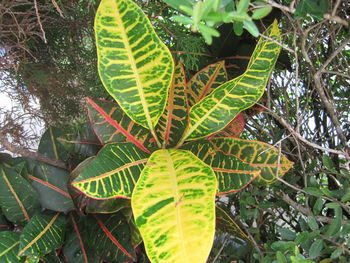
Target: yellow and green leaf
<point>42,228</point>
<point>113,173</point>
<point>205,81</point>
<point>88,205</point>
<point>134,65</point>
<point>220,107</point>
<point>232,173</point>
<point>111,124</point>
<point>233,129</point>
<point>174,207</point>
<point>174,120</point>
<point>258,154</point>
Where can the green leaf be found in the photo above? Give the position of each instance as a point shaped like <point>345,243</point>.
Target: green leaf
<point>205,81</point>
<point>111,124</point>
<point>174,207</point>
<point>242,6</point>
<point>317,208</point>
<point>238,28</point>
<point>287,234</point>
<point>218,109</point>
<point>109,237</point>
<point>313,191</point>
<point>261,12</point>
<point>113,173</point>
<point>134,65</point>
<point>173,122</point>
<point>50,146</point>
<point>316,248</point>
<point>18,200</point>
<point>232,174</point>
<point>258,154</point>
<point>312,222</point>
<point>327,162</point>
<point>9,243</point>
<point>281,258</point>
<point>337,253</point>
<point>51,184</point>
<point>43,234</point>
<point>346,197</point>
<point>251,27</point>
<point>89,205</point>
<point>316,8</point>
<point>185,20</point>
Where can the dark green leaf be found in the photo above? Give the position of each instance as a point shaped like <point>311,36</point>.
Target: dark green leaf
<point>18,200</point>
<point>50,146</point>
<point>281,257</point>
<point>9,242</point>
<point>316,8</point>
<point>313,191</point>
<point>337,252</point>
<point>51,184</point>
<point>43,234</point>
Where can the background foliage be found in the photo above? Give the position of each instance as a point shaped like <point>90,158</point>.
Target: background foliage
<point>48,54</point>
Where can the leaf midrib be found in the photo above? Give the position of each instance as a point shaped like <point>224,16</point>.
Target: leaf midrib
<point>133,66</point>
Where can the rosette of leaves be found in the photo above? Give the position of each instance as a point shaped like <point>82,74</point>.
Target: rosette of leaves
<point>171,146</point>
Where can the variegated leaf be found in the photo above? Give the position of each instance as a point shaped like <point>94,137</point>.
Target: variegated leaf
<point>174,207</point>
<point>232,173</point>
<point>258,154</point>
<point>205,81</point>
<point>109,237</point>
<point>18,199</point>
<point>88,205</point>
<point>174,120</point>
<point>233,129</point>
<point>113,173</point>
<point>134,65</point>
<point>9,243</point>
<point>111,124</point>
<point>50,146</point>
<point>221,106</point>
<point>43,234</point>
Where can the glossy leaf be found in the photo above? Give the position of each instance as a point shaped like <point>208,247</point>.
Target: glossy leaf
<point>258,154</point>
<point>173,122</point>
<point>9,243</point>
<point>4,224</point>
<point>109,236</point>
<point>232,173</point>
<point>81,141</point>
<point>225,223</point>
<point>18,200</point>
<point>51,184</point>
<point>111,124</point>
<point>113,173</point>
<point>134,64</point>
<point>205,81</point>
<point>50,146</point>
<point>75,248</point>
<point>136,238</point>
<point>89,205</point>
<point>43,234</point>
<point>220,107</point>
<point>174,207</point>
<point>233,129</point>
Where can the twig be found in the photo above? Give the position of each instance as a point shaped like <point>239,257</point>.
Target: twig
<point>221,248</point>
<point>57,8</point>
<point>29,154</point>
<point>39,21</point>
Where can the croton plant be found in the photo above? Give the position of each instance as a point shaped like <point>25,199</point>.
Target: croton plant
<point>152,163</point>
